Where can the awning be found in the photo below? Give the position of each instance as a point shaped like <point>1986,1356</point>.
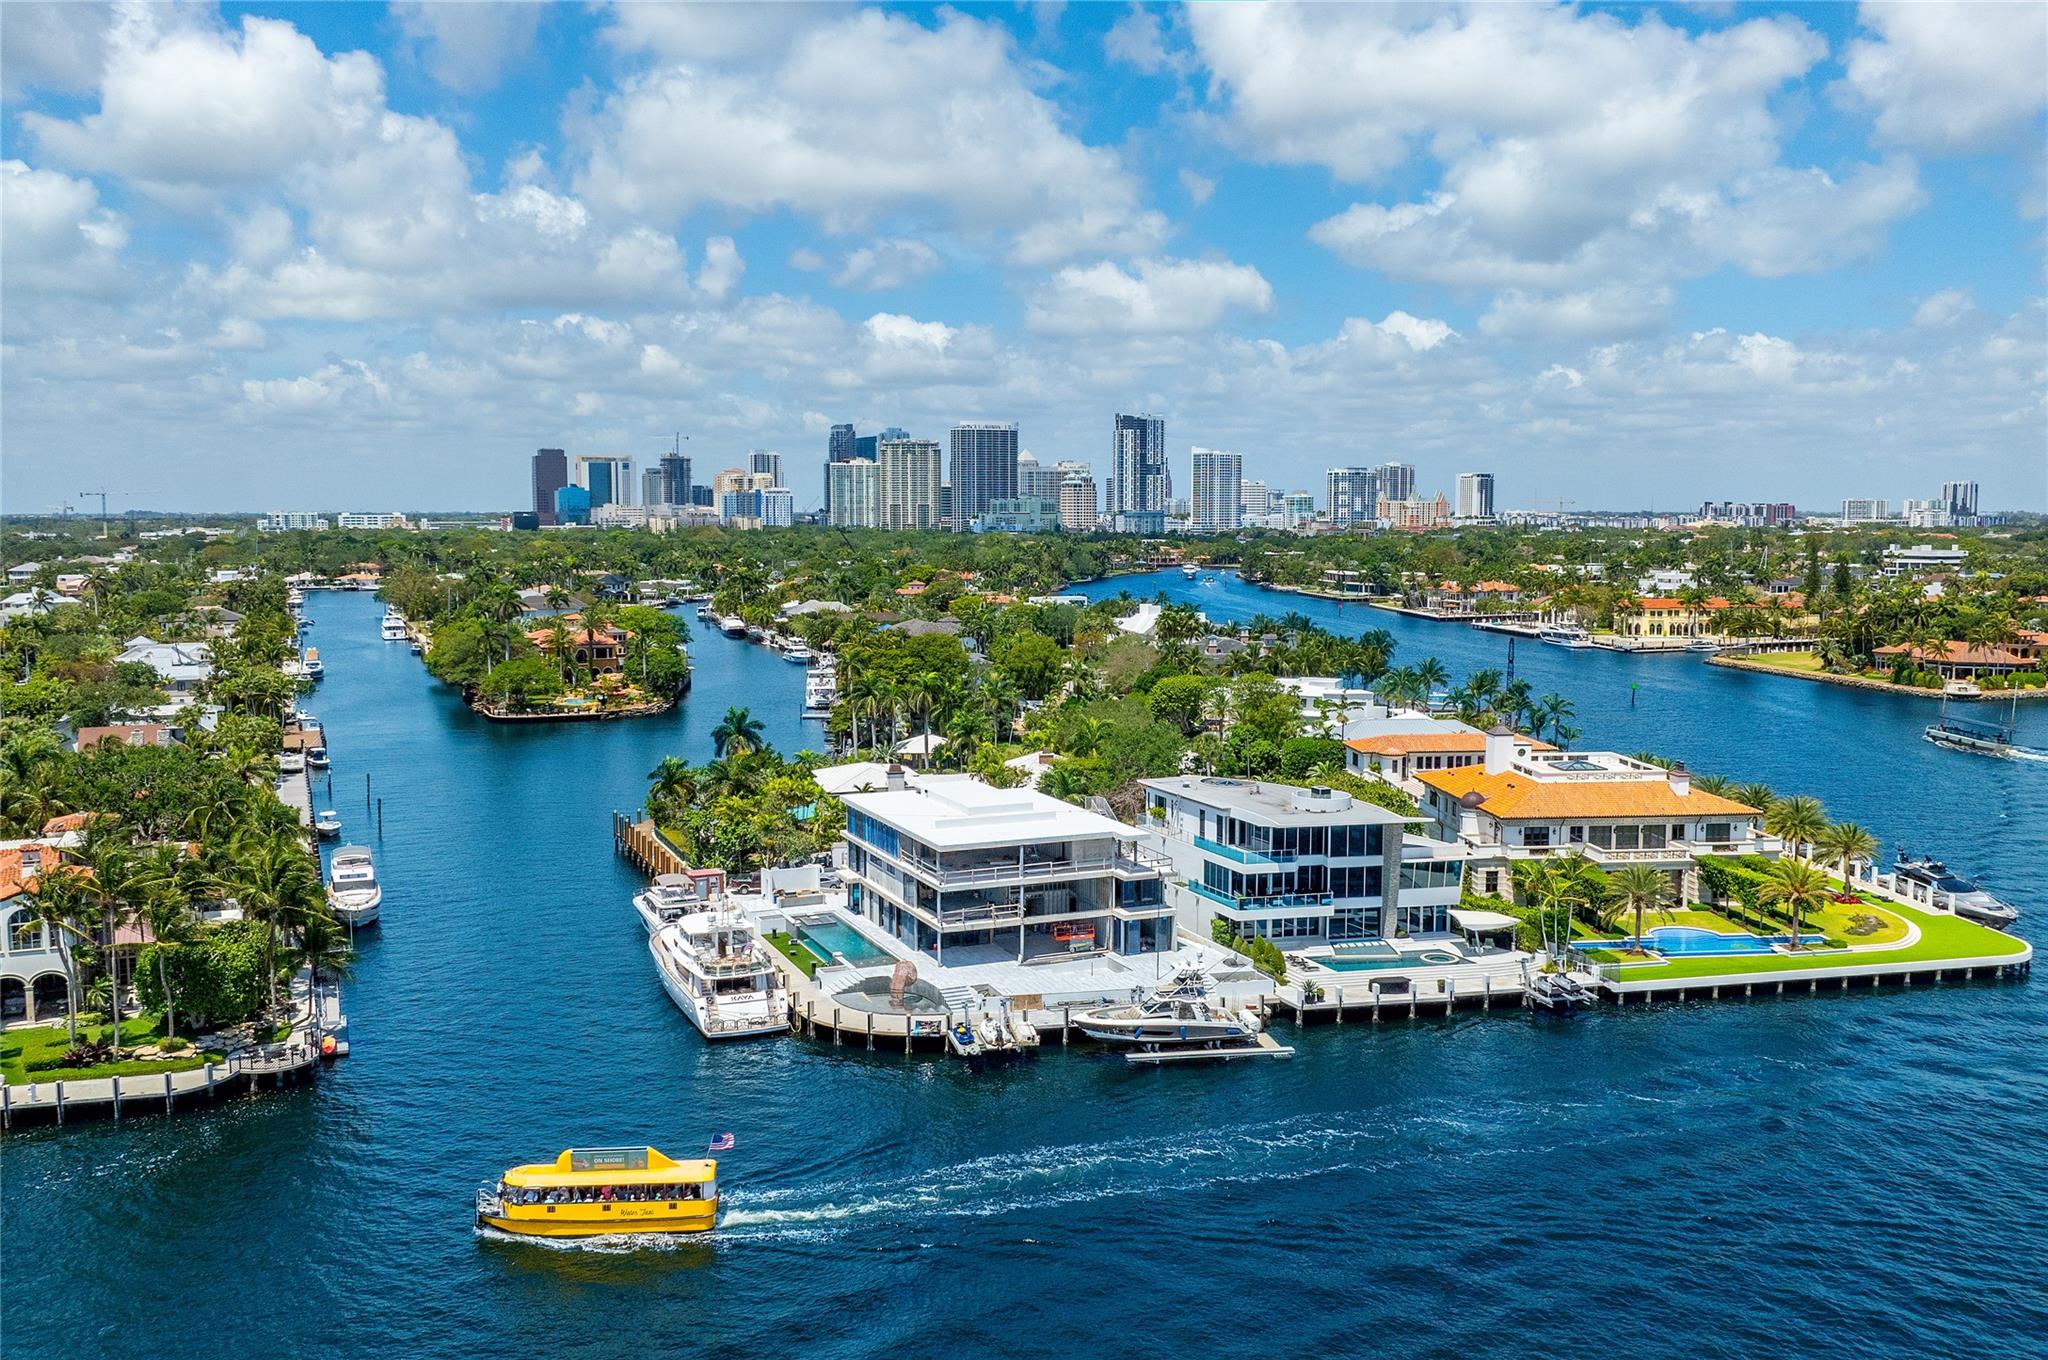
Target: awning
<point>1482,922</point>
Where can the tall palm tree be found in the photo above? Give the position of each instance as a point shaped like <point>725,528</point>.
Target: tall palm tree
<point>65,908</point>
<point>864,694</point>
<point>1797,819</point>
<point>166,909</point>
<point>737,734</point>
<point>1797,885</point>
<point>1431,675</point>
<point>1843,844</point>
<point>1640,888</point>
<point>276,882</point>
<point>1552,711</point>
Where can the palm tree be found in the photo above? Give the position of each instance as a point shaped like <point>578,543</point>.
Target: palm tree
<point>323,944</point>
<point>1797,820</point>
<point>738,733</point>
<point>166,909</point>
<point>274,880</point>
<point>1844,843</point>
<point>1640,888</point>
<point>64,907</point>
<point>1797,885</point>
<point>1431,675</point>
<point>999,692</point>
<point>1551,711</point>
<point>864,694</point>
<point>673,788</point>
<point>1758,796</point>
<point>1716,784</point>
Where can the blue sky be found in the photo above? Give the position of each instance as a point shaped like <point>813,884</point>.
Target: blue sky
<point>326,256</point>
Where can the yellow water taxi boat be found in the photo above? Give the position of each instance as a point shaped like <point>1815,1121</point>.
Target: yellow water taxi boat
<point>601,1192</point>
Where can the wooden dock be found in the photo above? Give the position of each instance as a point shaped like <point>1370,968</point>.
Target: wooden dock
<point>643,846</point>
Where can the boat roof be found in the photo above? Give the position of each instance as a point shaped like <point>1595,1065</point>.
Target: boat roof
<point>361,852</point>
<point>613,1166</point>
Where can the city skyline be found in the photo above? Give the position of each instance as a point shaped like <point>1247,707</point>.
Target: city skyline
<point>468,231</point>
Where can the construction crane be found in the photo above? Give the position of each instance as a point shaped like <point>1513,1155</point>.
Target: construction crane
<point>103,493</point>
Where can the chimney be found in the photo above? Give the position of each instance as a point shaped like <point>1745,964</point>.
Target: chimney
<point>1500,748</point>
<point>1680,777</point>
<point>896,778</point>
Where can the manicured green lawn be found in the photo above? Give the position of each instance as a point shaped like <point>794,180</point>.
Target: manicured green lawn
<point>19,1048</point>
<point>786,945</point>
<point>1941,937</point>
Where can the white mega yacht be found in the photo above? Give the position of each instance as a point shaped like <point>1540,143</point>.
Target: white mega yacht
<point>353,893</point>
<point>716,970</point>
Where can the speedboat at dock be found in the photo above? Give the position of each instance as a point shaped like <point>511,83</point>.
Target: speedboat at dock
<point>353,893</point>
<point>327,824</point>
<point>316,758</point>
<point>1965,897</point>
<point>1178,1014</point>
<point>602,1192</point>
<point>1577,639</point>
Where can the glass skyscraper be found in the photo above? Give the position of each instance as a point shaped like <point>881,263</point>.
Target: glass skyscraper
<point>984,469</point>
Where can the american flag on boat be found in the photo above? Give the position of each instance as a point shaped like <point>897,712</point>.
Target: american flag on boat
<point>722,1143</point>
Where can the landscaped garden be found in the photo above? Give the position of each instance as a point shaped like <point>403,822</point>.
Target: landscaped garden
<point>1942,937</point>
<point>40,1053</point>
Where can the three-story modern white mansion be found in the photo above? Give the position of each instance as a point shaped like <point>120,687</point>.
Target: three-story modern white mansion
<point>970,874</point>
<point>1306,866</point>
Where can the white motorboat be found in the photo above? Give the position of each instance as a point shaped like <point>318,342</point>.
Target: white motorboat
<point>394,629</point>
<point>717,972</point>
<point>309,665</point>
<point>1576,638</point>
<point>798,653</point>
<point>732,625</point>
<point>1964,897</point>
<point>417,648</point>
<point>1178,1014</point>
<point>316,757</point>
<point>1558,991</point>
<point>1190,572</point>
<point>304,719</point>
<point>353,893</point>
<point>821,691</point>
<point>670,897</point>
<point>327,824</point>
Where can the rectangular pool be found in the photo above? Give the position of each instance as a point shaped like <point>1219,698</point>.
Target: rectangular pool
<point>831,940</point>
<point>1374,963</point>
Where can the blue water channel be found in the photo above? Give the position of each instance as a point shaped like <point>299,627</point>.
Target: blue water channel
<point>1837,1175</point>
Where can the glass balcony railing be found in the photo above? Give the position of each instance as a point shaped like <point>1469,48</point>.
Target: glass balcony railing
<point>1239,855</point>
<point>1279,903</point>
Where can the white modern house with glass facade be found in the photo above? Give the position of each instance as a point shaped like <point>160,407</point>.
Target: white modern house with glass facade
<point>1299,866</point>
<point>968,873</point>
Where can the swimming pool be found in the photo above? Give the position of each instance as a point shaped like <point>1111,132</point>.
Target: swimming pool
<point>1369,963</point>
<point>1696,941</point>
<point>832,940</point>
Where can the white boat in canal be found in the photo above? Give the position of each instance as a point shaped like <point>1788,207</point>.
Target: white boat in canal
<point>1178,1014</point>
<point>1964,897</point>
<point>316,758</point>
<point>1577,639</point>
<point>713,966</point>
<point>732,625</point>
<point>821,691</point>
<point>1558,992</point>
<point>327,824</point>
<point>394,628</point>
<point>800,654</point>
<point>673,896</point>
<point>353,893</point>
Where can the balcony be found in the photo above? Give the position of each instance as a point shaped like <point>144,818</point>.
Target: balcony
<point>1133,863</point>
<point>1238,855</point>
<point>1256,904</point>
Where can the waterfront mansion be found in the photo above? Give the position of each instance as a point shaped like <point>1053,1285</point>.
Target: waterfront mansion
<point>1518,804</point>
<point>968,873</point>
<point>1307,866</point>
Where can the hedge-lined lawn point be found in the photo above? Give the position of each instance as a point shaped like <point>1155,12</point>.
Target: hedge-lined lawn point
<point>25,1054</point>
<point>1941,938</point>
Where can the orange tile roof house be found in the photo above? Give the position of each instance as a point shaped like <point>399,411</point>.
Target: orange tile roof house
<point>125,734</point>
<point>1612,808</point>
<point>1963,660</point>
<point>1401,755</point>
<point>601,649</point>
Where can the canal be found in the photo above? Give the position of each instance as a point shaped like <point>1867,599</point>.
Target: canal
<point>1840,1175</point>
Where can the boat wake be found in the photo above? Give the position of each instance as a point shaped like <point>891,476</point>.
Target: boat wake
<point>1035,1179</point>
<point>617,1244</point>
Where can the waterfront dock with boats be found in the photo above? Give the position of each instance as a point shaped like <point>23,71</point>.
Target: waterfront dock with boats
<point>514,880</point>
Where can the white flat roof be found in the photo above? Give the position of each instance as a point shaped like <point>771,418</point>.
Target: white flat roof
<point>966,814</point>
<point>1275,804</point>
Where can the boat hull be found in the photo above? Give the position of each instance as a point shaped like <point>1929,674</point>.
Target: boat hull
<point>358,912</point>
<point>663,1218</point>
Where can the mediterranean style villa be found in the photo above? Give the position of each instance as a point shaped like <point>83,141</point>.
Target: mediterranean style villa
<point>1517,804</point>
